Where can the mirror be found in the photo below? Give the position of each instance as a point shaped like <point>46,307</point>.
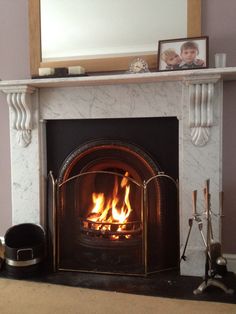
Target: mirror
<point>119,44</point>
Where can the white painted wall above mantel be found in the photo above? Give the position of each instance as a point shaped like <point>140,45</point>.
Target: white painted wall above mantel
<point>193,96</point>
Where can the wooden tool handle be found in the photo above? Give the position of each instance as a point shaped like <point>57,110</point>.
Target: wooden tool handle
<point>194,202</point>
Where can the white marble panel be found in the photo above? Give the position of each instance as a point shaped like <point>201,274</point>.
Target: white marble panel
<point>116,101</point>
<point>198,165</point>
<point>26,174</point>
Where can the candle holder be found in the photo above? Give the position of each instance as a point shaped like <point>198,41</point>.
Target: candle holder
<point>220,60</point>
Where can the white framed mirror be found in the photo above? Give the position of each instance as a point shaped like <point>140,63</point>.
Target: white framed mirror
<point>105,35</point>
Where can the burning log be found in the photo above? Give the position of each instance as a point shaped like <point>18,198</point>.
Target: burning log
<point>93,216</point>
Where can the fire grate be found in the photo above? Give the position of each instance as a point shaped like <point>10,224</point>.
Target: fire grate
<point>102,234</point>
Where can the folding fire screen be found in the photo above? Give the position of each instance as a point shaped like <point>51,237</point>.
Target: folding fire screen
<point>113,211</point>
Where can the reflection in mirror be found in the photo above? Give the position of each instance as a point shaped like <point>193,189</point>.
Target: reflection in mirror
<point>106,27</point>
<point>104,35</point>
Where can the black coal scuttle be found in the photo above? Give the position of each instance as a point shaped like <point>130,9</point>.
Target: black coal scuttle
<point>24,250</point>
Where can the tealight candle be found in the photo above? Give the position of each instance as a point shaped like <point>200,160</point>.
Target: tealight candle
<point>46,71</point>
<point>76,70</point>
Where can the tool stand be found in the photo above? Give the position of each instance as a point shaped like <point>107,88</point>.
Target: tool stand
<point>209,279</point>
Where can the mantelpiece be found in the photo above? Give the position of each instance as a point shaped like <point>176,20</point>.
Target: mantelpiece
<point>225,74</point>
<point>193,96</point>
<point>199,81</point>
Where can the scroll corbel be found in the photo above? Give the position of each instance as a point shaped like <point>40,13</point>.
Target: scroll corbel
<point>19,100</point>
<point>201,103</point>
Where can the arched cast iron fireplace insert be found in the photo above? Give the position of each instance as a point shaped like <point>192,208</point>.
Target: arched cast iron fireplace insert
<point>114,211</point>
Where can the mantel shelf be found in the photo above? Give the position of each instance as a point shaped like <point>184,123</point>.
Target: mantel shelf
<point>226,74</point>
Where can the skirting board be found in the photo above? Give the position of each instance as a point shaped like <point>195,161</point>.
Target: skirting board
<point>231,262</point>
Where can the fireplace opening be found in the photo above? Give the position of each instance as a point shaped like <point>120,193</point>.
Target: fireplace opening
<point>115,210</point>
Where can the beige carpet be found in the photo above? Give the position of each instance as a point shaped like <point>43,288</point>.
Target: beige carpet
<point>25,297</point>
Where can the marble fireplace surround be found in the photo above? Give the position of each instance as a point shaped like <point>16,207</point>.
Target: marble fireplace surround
<point>193,96</point>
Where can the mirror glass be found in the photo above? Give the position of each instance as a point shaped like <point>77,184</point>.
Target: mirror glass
<point>101,28</point>
<point>105,35</point>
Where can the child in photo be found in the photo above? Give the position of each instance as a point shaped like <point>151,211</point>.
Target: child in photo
<point>189,52</point>
<point>171,58</point>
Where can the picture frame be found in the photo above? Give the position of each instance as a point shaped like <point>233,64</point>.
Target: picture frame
<point>183,54</point>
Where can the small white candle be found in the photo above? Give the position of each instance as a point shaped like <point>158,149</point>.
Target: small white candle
<point>46,71</point>
<point>76,70</point>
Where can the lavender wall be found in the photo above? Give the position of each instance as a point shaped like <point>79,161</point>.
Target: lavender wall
<point>14,64</point>
<point>218,22</point>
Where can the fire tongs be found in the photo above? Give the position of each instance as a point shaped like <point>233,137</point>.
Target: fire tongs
<point>197,219</point>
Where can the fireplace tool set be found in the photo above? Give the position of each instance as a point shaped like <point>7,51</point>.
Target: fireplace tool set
<point>215,263</point>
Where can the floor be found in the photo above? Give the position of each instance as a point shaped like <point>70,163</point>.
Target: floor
<point>164,284</point>
<point>20,296</point>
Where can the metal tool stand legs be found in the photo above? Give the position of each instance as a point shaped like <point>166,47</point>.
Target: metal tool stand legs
<point>212,282</point>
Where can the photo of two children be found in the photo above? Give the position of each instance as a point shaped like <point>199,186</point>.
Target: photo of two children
<point>188,54</point>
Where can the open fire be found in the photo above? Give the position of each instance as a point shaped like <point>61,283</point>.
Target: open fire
<point>109,214</point>
<point>109,210</point>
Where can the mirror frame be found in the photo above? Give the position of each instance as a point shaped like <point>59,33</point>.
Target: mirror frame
<point>99,64</point>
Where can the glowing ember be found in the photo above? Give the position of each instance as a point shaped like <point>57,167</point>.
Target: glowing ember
<point>115,209</point>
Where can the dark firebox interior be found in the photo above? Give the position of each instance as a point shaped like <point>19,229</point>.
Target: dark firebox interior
<point>157,136</point>
<point>157,140</point>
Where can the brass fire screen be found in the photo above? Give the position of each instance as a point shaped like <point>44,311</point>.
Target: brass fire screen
<point>109,222</point>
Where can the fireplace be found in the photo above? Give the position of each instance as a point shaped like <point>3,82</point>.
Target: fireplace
<point>116,208</point>
<point>192,97</point>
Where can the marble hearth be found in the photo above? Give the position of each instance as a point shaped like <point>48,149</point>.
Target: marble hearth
<point>193,96</point>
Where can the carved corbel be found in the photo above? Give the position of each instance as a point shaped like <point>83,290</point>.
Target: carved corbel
<point>19,100</point>
<point>201,105</point>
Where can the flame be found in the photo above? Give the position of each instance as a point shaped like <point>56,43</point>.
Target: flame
<point>114,209</point>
